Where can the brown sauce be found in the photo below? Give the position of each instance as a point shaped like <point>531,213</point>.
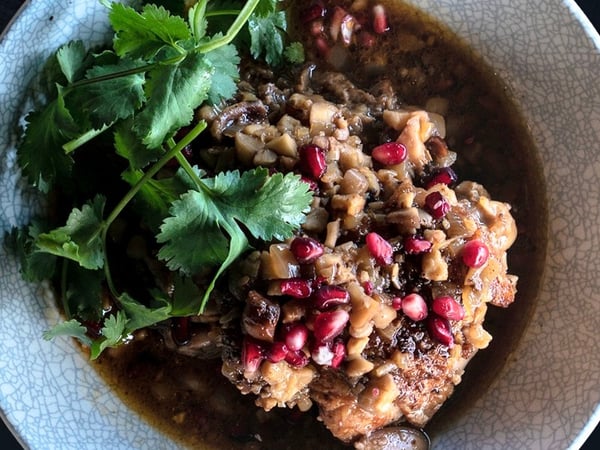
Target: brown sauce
<point>190,400</point>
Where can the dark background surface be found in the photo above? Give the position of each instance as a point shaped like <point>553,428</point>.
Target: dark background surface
<point>8,9</point>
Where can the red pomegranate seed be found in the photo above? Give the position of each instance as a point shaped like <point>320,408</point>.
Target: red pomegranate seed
<point>475,253</point>
<point>379,248</point>
<point>339,353</point>
<point>312,184</point>
<point>277,352</point>
<point>448,308</point>
<point>180,330</point>
<point>252,354</point>
<point>305,249</point>
<point>415,245</point>
<point>366,39</point>
<point>330,295</point>
<point>313,12</point>
<point>437,205</point>
<point>444,175</point>
<point>390,153</point>
<point>440,330</point>
<point>368,287</point>
<point>296,359</point>
<point>296,287</point>
<point>322,353</point>
<point>329,324</point>
<point>294,335</point>
<point>380,24</point>
<point>414,307</point>
<point>322,47</point>
<point>397,303</point>
<point>312,161</point>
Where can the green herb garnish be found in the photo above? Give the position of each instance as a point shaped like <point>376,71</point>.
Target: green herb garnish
<point>161,68</point>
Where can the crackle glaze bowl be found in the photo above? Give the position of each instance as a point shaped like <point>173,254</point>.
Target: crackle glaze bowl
<point>546,396</point>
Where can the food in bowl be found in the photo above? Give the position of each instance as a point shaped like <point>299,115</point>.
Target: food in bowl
<point>387,275</point>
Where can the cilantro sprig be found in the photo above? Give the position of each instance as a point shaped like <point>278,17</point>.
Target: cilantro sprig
<point>160,69</point>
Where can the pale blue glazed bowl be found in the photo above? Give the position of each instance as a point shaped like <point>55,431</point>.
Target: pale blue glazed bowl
<point>548,394</point>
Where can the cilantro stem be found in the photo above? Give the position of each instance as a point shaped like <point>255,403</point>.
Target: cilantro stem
<point>223,12</point>
<point>63,287</point>
<point>74,144</point>
<point>234,29</point>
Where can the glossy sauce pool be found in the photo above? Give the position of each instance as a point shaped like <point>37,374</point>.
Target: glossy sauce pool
<point>192,402</point>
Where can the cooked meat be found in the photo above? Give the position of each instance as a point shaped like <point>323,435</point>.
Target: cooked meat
<point>374,310</point>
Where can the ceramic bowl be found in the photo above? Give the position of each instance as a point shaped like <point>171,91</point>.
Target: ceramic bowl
<point>546,396</point>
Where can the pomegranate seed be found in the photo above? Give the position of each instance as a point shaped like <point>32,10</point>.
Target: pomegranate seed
<point>312,161</point>
<point>448,308</point>
<point>440,330</point>
<point>415,245</point>
<point>368,287</point>
<point>379,248</point>
<point>322,353</point>
<point>475,253</point>
<point>296,287</point>
<point>366,39</point>
<point>329,324</point>
<point>339,353</point>
<point>444,175</point>
<point>397,303</point>
<point>322,47</point>
<point>380,24</point>
<point>306,250</point>
<point>294,335</point>
<point>330,295</point>
<point>337,18</point>
<point>312,184</point>
<point>180,330</point>
<point>296,359</point>
<point>390,153</point>
<point>437,205</point>
<point>252,354</point>
<point>316,28</point>
<point>414,307</point>
<point>313,12</point>
<point>277,352</point>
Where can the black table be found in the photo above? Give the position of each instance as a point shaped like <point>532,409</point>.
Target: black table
<point>8,9</point>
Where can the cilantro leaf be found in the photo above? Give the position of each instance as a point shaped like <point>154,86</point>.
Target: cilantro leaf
<point>40,153</point>
<point>83,296</point>
<point>71,57</point>
<point>173,93</point>
<point>270,206</point>
<point>69,328</point>
<point>80,239</point>
<point>156,196</point>
<point>266,7</point>
<point>129,147</point>
<point>224,61</point>
<point>294,53</point>
<point>113,333</point>
<point>141,316</point>
<point>266,34</point>
<point>113,98</point>
<point>144,35</point>
<point>192,217</point>
<point>35,265</point>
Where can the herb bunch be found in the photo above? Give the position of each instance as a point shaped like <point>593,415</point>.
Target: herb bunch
<point>141,93</point>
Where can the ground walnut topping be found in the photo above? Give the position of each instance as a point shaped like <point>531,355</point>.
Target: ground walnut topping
<point>373,310</point>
